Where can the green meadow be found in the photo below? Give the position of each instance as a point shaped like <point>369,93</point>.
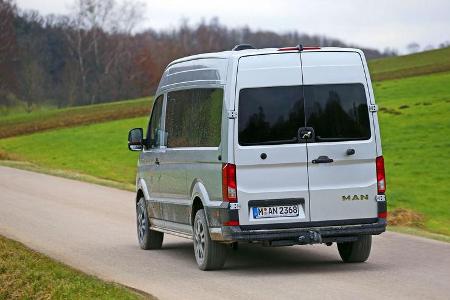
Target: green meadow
<point>415,130</point>
<point>14,124</point>
<point>422,63</point>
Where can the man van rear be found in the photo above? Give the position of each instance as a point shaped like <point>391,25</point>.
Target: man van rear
<point>277,147</point>
<point>308,166</point>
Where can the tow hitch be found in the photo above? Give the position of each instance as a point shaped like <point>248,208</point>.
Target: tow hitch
<point>306,238</point>
<point>310,237</point>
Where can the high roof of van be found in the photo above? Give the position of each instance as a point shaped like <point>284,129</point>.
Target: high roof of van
<point>236,54</point>
<point>212,68</point>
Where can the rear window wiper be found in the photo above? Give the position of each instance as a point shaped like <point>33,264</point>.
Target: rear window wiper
<point>276,142</point>
<point>339,139</point>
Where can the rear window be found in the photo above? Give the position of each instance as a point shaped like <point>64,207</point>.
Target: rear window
<point>273,115</point>
<point>270,115</point>
<point>337,112</point>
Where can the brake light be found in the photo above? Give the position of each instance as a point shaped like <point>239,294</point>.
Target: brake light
<point>381,177</point>
<point>229,185</point>
<point>311,48</point>
<point>289,49</point>
<point>298,48</point>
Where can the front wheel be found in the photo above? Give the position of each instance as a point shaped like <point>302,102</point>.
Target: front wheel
<point>148,239</point>
<point>357,251</point>
<point>209,254</point>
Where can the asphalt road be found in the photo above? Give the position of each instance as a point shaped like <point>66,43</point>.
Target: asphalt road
<point>92,228</point>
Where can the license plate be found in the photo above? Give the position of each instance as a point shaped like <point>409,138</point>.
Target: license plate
<point>275,211</point>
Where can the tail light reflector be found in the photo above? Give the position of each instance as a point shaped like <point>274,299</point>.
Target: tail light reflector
<point>382,215</point>
<point>229,185</point>
<point>381,177</point>
<point>231,223</point>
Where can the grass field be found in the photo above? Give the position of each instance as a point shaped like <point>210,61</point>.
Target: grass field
<point>410,65</point>
<point>26,123</point>
<point>98,150</point>
<point>415,125</point>
<point>26,274</point>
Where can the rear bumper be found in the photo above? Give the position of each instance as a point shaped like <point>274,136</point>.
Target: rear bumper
<point>303,235</point>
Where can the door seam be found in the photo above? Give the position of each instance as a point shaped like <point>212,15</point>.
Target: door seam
<point>306,142</point>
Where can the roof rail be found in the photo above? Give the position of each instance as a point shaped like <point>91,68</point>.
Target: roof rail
<point>242,47</point>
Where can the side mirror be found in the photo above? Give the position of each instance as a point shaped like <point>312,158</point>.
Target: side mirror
<point>135,139</point>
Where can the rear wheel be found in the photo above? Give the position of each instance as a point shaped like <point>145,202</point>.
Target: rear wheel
<point>357,251</point>
<point>209,254</point>
<point>148,239</point>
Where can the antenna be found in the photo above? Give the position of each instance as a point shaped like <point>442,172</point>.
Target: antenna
<point>242,47</point>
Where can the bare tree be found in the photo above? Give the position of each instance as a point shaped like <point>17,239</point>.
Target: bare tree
<point>92,23</point>
<point>413,47</point>
<point>8,49</point>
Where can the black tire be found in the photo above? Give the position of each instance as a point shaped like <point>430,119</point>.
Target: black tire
<point>209,254</point>
<point>147,238</point>
<point>357,251</point>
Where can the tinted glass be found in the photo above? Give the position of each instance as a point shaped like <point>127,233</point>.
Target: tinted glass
<point>270,115</point>
<point>154,127</point>
<point>337,112</point>
<point>193,118</point>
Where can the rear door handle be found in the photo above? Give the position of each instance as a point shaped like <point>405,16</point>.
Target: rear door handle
<point>322,160</point>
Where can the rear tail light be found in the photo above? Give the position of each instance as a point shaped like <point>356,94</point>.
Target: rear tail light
<point>382,215</point>
<point>229,185</point>
<point>381,177</point>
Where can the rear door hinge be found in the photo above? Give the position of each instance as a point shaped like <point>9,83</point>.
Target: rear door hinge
<point>373,108</point>
<point>232,114</point>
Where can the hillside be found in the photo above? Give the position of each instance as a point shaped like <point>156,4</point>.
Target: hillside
<point>415,125</point>
<point>26,123</point>
<point>422,63</point>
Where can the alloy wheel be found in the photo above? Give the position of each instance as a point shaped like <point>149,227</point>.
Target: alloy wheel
<point>142,223</point>
<point>199,241</point>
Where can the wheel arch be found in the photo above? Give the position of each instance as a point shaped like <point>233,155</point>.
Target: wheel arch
<point>142,190</point>
<point>200,199</point>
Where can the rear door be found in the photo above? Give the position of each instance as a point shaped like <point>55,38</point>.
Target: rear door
<point>271,166</point>
<point>341,156</point>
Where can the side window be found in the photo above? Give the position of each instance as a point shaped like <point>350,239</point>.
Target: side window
<point>194,117</point>
<point>154,132</point>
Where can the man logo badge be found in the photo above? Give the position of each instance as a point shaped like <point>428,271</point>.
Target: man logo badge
<point>355,197</point>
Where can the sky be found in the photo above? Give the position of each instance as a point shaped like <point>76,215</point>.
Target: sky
<point>376,24</point>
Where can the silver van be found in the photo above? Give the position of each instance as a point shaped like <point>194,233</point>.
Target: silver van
<point>277,147</point>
